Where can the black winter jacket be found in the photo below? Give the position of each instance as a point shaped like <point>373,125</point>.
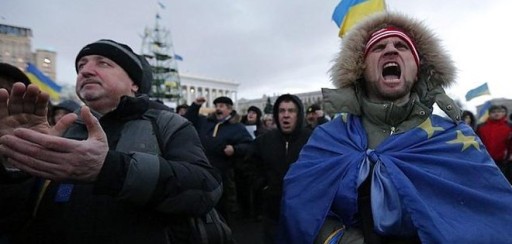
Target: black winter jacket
<point>229,132</point>
<point>274,152</point>
<point>138,192</point>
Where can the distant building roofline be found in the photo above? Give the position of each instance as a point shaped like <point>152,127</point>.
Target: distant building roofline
<point>198,77</point>
<point>15,30</point>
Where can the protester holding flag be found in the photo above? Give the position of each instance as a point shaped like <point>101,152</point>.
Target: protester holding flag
<point>388,170</point>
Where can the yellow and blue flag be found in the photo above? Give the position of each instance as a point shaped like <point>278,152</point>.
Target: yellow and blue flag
<point>479,91</point>
<point>349,12</point>
<point>43,82</point>
<point>483,112</point>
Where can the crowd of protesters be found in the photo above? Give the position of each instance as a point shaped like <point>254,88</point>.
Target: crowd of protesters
<point>122,168</point>
<point>252,153</point>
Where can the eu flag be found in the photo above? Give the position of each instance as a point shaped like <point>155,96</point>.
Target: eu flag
<point>436,180</point>
<point>349,12</point>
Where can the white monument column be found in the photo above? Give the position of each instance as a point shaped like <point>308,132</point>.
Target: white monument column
<point>209,97</point>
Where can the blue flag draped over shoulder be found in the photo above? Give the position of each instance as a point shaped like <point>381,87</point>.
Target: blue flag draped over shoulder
<point>435,180</point>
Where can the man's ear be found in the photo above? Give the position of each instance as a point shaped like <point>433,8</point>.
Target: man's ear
<point>135,88</point>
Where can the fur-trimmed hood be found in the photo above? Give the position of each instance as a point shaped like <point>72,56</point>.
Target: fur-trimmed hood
<point>436,69</point>
<point>436,66</point>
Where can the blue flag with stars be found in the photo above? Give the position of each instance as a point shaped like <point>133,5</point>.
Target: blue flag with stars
<point>436,181</point>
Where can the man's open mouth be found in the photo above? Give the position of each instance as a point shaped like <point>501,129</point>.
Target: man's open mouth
<point>391,71</point>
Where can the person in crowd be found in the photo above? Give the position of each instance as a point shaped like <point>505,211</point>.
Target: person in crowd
<point>12,214</point>
<point>268,122</point>
<point>273,153</point>
<point>469,118</point>
<point>225,141</point>
<point>496,135</point>
<point>388,170</point>
<point>181,109</point>
<point>243,170</point>
<point>65,107</point>
<point>315,116</point>
<point>121,170</point>
<point>252,121</point>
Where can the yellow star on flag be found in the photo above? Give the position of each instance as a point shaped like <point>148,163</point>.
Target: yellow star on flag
<point>427,127</point>
<point>466,141</point>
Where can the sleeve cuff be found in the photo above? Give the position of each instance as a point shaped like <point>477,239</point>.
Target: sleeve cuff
<point>112,175</point>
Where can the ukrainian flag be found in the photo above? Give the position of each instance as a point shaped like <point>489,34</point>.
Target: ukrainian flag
<point>483,112</point>
<point>479,91</point>
<point>349,12</point>
<point>43,82</point>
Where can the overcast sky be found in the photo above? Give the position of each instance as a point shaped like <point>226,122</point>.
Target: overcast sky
<point>268,46</point>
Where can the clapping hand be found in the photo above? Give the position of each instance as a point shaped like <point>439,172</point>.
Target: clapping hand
<point>25,107</point>
<point>33,146</point>
<point>57,158</point>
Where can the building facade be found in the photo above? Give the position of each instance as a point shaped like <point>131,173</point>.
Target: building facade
<point>15,45</point>
<point>16,49</point>
<point>193,86</point>
<point>46,61</point>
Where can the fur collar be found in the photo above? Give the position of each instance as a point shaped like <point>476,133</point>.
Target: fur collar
<point>436,67</point>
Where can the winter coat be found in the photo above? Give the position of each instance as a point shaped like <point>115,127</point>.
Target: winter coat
<point>331,166</point>
<point>496,136</point>
<point>141,188</point>
<point>380,120</point>
<point>229,132</point>
<point>273,153</point>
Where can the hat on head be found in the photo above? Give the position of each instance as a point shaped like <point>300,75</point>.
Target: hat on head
<point>392,32</point>
<point>136,66</point>
<point>225,100</point>
<point>313,108</point>
<point>147,76</point>
<point>256,110</point>
<point>13,74</point>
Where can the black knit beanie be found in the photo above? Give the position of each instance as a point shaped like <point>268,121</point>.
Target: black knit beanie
<point>135,65</point>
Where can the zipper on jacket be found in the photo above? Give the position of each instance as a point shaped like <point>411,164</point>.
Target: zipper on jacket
<point>286,148</point>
